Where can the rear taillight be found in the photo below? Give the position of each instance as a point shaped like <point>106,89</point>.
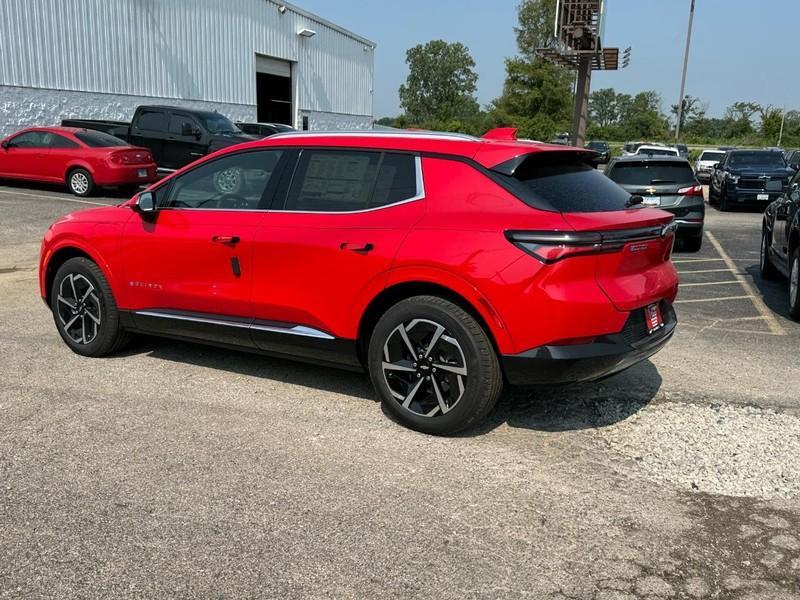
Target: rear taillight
<point>692,190</point>
<point>119,158</point>
<point>552,246</point>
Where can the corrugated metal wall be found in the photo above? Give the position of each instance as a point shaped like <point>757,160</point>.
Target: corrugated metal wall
<point>188,49</point>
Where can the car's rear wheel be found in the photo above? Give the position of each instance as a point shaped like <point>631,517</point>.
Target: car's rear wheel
<point>84,309</point>
<point>723,199</point>
<point>794,285</point>
<point>712,197</point>
<point>433,366</point>
<point>766,267</point>
<point>80,182</point>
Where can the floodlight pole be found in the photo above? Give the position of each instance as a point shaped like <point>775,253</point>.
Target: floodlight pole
<point>683,76</point>
<point>581,114</point>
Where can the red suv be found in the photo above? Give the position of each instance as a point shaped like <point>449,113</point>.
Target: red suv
<point>443,264</point>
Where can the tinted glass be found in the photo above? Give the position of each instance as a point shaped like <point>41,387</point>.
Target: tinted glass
<point>152,121</point>
<point>217,124</point>
<point>333,181</point>
<point>397,179</point>
<point>30,139</point>
<point>566,185</point>
<point>651,172</point>
<point>716,156</point>
<point>657,151</point>
<point>98,139</point>
<point>176,123</point>
<point>756,159</point>
<point>54,140</point>
<point>600,146</point>
<point>234,182</point>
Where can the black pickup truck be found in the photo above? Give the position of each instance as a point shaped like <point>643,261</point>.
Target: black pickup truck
<point>175,136</point>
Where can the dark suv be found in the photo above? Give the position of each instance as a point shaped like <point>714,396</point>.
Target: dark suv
<point>748,176</point>
<point>780,242</point>
<point>666,182</point>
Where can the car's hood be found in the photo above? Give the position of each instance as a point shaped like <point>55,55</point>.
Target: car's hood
<point>101,214</point>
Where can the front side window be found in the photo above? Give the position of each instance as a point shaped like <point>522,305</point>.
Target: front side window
<point>346,181</point>
<point>29,139</point>
<point>179,124</point>
<point>233,182</point>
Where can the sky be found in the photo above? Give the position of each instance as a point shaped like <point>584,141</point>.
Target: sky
<point>741,49</point>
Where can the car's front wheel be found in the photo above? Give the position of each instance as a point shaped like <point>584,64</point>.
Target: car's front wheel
<point>84,309</point>
<point>766,269</point>
<point>794,285</point>
<point>433,365</point>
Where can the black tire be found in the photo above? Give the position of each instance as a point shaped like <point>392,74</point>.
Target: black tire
<point>80,182</point>
<point>794,285</point>
<point>723,199</point>
<point>712,197</point>
<point>469,391</point>
<point>692,244</point>
<point>765,266</point>
<point>73,278</point>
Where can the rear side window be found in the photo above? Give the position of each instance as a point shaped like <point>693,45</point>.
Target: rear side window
<point>651,172</point>
<point>152,120</point>
<point>58,141</point>
<point>346,181</point>
<point>98,139</point>
<point>565,185</point>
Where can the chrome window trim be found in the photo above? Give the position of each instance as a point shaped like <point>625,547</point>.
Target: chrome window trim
<point>300,330</point>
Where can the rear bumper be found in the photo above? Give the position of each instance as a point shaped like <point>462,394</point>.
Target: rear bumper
<point>750,196</point>
<point>126,175</point>
<point>605,356</point>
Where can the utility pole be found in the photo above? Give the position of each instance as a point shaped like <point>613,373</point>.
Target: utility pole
<point>683,76</point>
<point>783,120</point>
<point>582,87</point>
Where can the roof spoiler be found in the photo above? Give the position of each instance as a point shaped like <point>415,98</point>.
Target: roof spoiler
<point>501,133</point>
<point>568,154</point>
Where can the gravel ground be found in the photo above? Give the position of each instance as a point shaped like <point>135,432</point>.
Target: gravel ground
<point>180,471</point>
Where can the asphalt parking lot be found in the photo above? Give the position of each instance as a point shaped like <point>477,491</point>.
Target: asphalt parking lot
<point>175,470</point>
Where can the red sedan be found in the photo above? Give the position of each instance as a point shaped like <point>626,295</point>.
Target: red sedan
<point>81,158</point>
<point>442,264</point>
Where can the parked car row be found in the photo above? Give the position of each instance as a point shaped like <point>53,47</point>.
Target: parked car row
<point>86,154</point>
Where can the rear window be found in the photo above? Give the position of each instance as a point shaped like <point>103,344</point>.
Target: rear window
<point>657,151</point>
<point>565,185</point>
<point>651,172</point>
<point>98,139</point>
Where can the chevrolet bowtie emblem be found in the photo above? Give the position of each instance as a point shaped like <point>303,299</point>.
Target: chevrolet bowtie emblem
<point>651,190</point>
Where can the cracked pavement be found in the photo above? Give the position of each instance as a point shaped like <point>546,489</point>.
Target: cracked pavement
<point>181,471</point>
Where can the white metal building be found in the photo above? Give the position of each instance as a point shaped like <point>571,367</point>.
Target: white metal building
<point>251,60</point>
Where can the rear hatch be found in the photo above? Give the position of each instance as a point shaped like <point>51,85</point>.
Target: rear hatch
<point>631,244</point>
<point>661,183</point>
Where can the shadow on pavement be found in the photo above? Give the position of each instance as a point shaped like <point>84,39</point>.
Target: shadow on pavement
<point>116,193</point>
<point>775,294</point>
<point>551,408</point>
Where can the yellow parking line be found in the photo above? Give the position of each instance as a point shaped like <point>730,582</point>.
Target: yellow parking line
<point>757,301</point>
<point>713,299</point>
<point>683,285</point>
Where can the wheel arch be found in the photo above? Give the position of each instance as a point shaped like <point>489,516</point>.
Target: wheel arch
<point>398,291</point>
<point>61,255</point>
<point>78,164</point>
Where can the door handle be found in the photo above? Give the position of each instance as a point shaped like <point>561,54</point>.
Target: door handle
<point>225,239</point>
<point>356,248</point>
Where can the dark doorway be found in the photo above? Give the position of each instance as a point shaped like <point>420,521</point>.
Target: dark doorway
<point>274,98</point>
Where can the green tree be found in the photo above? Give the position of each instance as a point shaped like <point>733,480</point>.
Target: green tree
<point>537,96</point>
<point>771,118</point>
<point>441,83</point>
<point>603,110</point>
<point>692,109</point>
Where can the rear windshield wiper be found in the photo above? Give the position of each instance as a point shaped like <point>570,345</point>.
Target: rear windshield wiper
<point>633,201</point>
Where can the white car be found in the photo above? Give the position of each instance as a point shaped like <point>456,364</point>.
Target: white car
<point>705,164</point>
<point>647,150</point>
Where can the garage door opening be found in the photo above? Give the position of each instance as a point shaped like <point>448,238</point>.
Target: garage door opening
<point>273,90</point>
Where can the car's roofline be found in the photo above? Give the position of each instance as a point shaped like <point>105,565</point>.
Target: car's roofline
<point>650,158</point>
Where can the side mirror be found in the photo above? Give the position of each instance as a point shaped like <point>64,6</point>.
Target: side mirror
<point>146,203</point>
<point>5,144</point>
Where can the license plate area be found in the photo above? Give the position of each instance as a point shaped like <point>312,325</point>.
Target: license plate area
<point>762,196</point>
<point>651,200</point>
<point>653,318</point>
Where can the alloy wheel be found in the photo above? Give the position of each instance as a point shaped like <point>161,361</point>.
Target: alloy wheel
<point>794,282</point>
<point>228,180</point>
<point>424,367</point>
<point>78,308</point>
<point>79,182</point>
<point>763,257</point>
